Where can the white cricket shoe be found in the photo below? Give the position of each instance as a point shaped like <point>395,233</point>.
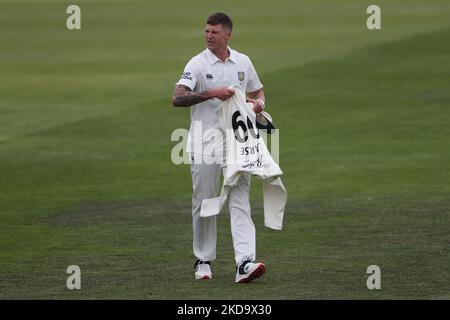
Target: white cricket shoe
<point>202,270</point>
<point>248,271</point>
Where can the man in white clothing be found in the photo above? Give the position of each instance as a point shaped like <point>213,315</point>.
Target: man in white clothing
<point>203,85</point>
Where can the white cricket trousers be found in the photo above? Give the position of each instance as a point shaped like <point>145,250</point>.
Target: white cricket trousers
<point>205,182</point>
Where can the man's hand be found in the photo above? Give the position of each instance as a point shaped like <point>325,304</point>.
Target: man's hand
<point>258,104</point>
<point>222,93</point>
<point>258,99</point>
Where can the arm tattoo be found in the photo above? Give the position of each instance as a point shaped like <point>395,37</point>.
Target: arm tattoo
<point>184,97</point>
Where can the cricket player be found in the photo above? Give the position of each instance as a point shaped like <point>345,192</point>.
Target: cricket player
<point>203,85</point>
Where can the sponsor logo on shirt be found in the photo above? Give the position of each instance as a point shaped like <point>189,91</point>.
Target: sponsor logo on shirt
<point>186,76</point>
<point>209,76</point>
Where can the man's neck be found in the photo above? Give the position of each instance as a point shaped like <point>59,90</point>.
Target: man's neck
<point>222,54</point>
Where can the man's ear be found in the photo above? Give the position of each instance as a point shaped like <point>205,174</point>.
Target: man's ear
<point>228,34</point>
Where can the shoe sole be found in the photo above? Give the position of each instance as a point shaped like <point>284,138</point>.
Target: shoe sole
<point>258,272</point>
<point>203,278</point>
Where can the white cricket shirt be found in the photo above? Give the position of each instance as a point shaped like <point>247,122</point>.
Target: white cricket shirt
<point>206,71</point>
<point>248,156</point>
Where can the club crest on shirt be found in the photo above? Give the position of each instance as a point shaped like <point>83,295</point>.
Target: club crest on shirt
<point>241,75</point>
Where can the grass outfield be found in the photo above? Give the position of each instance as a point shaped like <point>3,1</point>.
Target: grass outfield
<point>86,176</point>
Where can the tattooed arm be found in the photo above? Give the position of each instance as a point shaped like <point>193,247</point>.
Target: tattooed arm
<point>183,96</point>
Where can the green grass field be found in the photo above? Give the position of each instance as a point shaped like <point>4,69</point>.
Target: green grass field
<point>86,176</point>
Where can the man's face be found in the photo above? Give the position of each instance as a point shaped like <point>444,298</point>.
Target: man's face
<point>216,37</point>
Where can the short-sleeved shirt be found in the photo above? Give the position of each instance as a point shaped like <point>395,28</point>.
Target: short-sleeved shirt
<point>206,71</point>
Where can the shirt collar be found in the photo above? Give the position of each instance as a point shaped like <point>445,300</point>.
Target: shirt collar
<point>213,59</point>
